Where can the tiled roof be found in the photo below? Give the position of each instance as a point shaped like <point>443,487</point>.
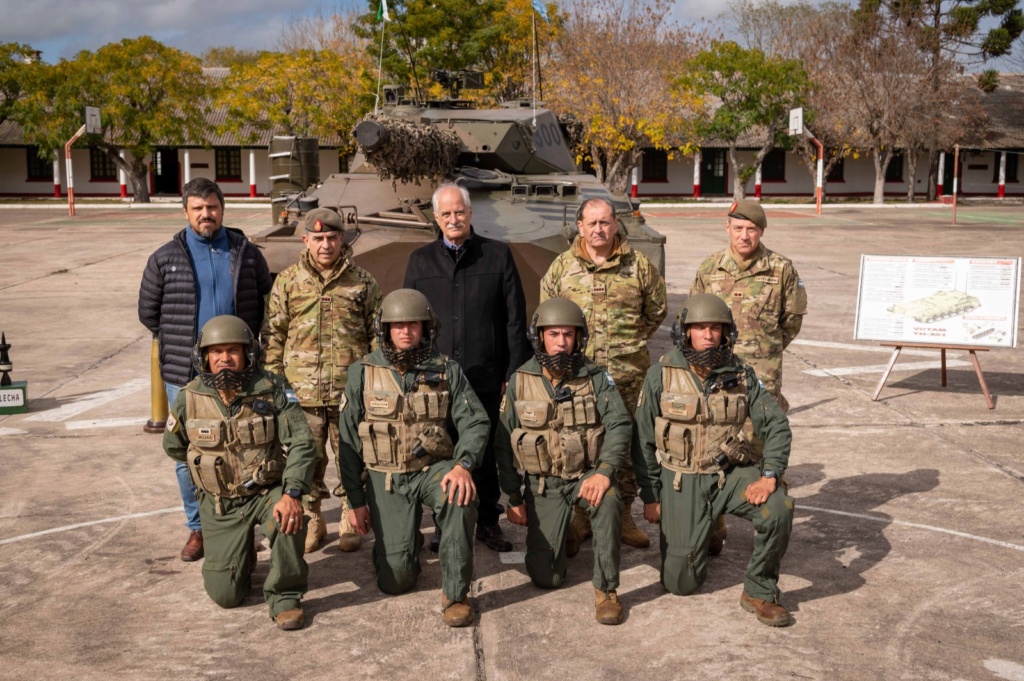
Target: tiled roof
<point>1005,107</point>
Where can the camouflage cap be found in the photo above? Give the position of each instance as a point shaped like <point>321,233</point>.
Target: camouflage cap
<point>749,209</point>
<point>323,220</point>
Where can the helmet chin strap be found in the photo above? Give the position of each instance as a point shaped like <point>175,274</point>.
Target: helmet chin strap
<point>710,358</point>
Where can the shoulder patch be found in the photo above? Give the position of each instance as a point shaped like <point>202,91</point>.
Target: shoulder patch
<point>344,402</point>
<point>504,404</point>
<point>800,283</point>
<point>291,396</point>
<point>171,425</point>
<point>767,280</point>
<point>640,400</point>
<point>611,381</point>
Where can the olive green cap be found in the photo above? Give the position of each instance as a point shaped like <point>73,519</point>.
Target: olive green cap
<point>749,209</point>
<point>705,308</point>
<point>405,305</point>
<point>321,220</point>
<point>224,329</point>
<point>559,312</point>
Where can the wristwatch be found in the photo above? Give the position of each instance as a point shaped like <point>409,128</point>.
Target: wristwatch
<point>294,493</point>
<point>768,473</point>
<point>467,464</point>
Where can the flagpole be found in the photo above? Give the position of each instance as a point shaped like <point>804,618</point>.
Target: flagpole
<point>380,65</point>
<point>533,70</point>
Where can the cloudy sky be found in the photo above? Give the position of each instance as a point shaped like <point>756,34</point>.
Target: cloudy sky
<point>61,28</point>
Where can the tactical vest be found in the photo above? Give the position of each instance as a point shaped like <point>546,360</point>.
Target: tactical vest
<point>694,429</point>
<point>558,439</point>
<point>404,431</point>
<point>233,456</point>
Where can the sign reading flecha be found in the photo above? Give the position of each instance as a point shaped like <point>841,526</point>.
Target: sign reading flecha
<point>938,300</point>
<point>12,398</point>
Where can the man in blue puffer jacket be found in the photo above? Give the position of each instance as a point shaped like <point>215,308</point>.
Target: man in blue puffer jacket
<point>203,272</point>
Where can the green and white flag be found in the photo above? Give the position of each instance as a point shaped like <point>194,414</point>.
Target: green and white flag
<point>382,13</point>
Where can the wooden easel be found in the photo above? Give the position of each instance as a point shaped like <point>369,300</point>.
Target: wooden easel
<point>974,359</point>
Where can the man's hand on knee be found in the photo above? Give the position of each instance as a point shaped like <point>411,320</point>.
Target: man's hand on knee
<point>458,485</point>
<point>594,487</point>
<point>359,519</point>
<point>288,514</point>
<point>516,514</point>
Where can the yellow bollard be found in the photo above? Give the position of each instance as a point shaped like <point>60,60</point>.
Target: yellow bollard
<point>157,394</point>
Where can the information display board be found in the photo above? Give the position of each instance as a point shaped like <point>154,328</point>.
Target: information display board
<point>942,300</point>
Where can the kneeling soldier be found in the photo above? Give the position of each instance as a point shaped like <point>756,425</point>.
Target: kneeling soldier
<point>401,402</point>
<point>692,411</point>
<point>232,425</point>
<point>564,423</point>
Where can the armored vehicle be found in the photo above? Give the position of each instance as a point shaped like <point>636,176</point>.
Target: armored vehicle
<point>939,305</point>
<point>523,183</point>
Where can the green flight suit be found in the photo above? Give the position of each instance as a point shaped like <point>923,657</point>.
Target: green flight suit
<point>549,509</point>
<point>689,514</point>
<point>395,513</point>
<point>227,534</point>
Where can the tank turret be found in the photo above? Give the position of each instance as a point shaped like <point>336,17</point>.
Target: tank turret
<point>523,183</point>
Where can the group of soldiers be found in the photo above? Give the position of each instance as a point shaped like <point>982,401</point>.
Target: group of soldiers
<point>584,425</point>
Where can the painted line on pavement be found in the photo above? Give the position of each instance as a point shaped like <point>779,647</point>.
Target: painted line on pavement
<point>879,368</point>
<point>107,423</point>
<point>98,399</point>
<point>10,431</point>
<point>871,348</point>
<point>76,526</point>
<point>931,528</point>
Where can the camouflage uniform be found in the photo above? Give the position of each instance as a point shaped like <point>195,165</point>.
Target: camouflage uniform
<point>318,323</point>
<point>768,303</point>
<point>624,301</point>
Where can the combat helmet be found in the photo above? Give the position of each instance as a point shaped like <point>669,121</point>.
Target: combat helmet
<point>705,308</point>
<point>559,312</point>
<point>218,331</point>
<point>405,305</point>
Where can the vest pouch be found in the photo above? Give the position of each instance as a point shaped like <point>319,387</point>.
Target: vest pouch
<point>436,442</point>
<point>584,411</point>
<point>209,473</point>
<point>595,441</point>
<point>735,408</point>
<point>574,456</point>
<point>429,405</point>
<point>674,439</point>
<point>533,413</point>
<point>383,403</point>
<point>268,472</point>
<point>379,444</point>
<point>205,433</point>
<point>531,452</point>
<point>683,408</point>
<point>256,431</point>
<point>738,449</point>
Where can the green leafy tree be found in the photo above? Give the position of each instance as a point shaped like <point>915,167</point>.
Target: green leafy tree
<point>307,93</point>
<point>747,92</point>
<point>15,59</point>
<point>149,95</point>
<point>227,56</point>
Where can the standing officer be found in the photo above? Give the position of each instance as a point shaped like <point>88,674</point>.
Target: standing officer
<point>623,298</point>
<point>692,410</point>
<point>400,404</point>
<point>763,290</point>
<point>206,270</point>
<point>564,424</point>
<point>473,286</point>
<point>319,321</point>
<point>229,426</point>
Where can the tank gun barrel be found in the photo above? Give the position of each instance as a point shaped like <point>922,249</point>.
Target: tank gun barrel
<point>370,135</point>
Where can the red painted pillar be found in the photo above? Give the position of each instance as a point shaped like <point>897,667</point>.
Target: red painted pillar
<point>942,173</point>
<point>252,173</point>
<point>633,193</point>
<point>1002,175</point>
<point>696,175</point>
<point>757,183</point>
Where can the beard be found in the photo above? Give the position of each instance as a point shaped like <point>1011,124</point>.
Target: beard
<point>206,229</point>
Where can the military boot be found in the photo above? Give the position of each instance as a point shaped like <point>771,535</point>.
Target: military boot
<point>767,612</point>
<point>631,534</point>
<point>456,613</point>
<point>718,537</point>
<point>348,539</point>
<point>609,610</point>
<point>316,529</point>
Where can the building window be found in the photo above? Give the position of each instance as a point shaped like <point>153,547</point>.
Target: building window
<point>1011,167</point>
<point>38,167</point>
<point>101,168</point>
<point>837,172</point>
<point>773,167</point>
<point>228,164</point>
<point>894,173</point>
<point>655,165</point>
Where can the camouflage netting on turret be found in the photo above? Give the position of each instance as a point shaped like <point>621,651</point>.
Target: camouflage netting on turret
<point>410,151</point>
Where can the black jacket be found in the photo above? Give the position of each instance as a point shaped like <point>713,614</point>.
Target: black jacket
<point>480,304</point>
<point>167,298</point>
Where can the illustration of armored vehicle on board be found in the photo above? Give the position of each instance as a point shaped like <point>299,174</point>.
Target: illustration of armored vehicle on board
<point>523,183</point>
<point>938,306</point>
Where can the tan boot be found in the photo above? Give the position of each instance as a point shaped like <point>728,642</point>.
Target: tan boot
<point>348,539</point>
<point>631,534</point>
<point>772,614</point>
<point>609,610</point>
<point>456,613</point>
<point>578,531</point>
<point>316,529</point>
<point>718,537</point>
